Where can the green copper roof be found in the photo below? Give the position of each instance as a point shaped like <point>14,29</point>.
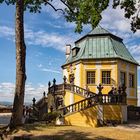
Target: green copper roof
<point>98,30</point>
<point>99,43</point>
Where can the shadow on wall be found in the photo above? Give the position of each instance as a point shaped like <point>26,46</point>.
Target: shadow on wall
<point>93,115</point>
<point>63,135</point>
<point>112,114</point>
<point>90,116</point>
<point>86,118</point>
<point>113,82</point>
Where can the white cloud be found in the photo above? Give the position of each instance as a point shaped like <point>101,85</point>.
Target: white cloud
<point>45,39</point>
<point>6,31</point>
<point>51,70</point>
<point>55,14</point>
<point>7,91</point>
<point>41,38</point>
<point>135,49</point>
<point>114,20</point>
<point>39,66</point>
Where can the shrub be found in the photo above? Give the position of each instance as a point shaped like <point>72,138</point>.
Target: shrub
<point>50,117</point>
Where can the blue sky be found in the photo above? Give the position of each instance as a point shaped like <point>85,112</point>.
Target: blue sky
<point>46,35</point>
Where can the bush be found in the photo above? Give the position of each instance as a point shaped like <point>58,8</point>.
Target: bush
<point>50,117</point>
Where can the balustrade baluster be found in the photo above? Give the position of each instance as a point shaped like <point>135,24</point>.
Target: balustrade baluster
<point>69,108</point>
<point>74,88</point>
<point>78,90</point>
<point>108,99</point>
<point>82,92</point>
<point>75,107</point>
<point>81,105</point>
<point>78,106</point>
<point>84,104</point>
<point>103,98</point>
<point>72,107</point>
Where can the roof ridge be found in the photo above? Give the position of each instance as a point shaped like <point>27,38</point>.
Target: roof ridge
<point>98,30</point>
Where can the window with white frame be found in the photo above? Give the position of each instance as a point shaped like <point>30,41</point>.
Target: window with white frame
<point>123,78</point>
<point>131,80</point>
<point>90,77</point>
<point>106,77</point>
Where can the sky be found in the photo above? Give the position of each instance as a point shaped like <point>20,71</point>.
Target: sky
<point>46,35</point>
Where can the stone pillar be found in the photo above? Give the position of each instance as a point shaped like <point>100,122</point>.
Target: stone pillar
<point>71,97</point>
<point>100,119</point>
<point>124,113</point>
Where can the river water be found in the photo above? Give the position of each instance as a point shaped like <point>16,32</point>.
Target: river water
<point>5,118</point>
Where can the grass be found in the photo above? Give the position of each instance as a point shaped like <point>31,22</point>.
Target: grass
<point>43,132</point>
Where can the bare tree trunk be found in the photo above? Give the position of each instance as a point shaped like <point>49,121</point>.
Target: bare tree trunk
<point>17,113</point>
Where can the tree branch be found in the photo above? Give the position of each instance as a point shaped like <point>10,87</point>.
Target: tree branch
<point>67,6</point>
<point>55,9</point>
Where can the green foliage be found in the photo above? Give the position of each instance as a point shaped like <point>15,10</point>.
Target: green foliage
<point>84,12</point>
<point>132,11</point>
<point>50,117</point>
<point>79,11</point>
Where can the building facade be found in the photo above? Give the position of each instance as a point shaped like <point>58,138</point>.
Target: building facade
<point>101,57</point>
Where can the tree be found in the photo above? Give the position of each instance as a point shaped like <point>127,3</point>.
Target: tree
<point>79,11</point>
<point>132,11</point>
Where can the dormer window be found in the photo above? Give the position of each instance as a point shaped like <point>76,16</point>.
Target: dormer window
<point>75,50</point>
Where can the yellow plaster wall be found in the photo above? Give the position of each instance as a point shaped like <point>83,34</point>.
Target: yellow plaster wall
<point>88,66</point>
<point>129,68</point>
<point>112,112</point>
<point>115,68</point>
<point>86,118</point>
<point>114,80</point>
<point>82,75</point>
<point>67,97</point>
<point>132,101</point>
<point>98,72</point>
<point>78,98</point>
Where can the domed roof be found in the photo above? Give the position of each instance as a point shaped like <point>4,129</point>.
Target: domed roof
<point>100,44</point>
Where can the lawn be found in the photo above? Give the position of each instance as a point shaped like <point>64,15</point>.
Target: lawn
<point>43,132</point>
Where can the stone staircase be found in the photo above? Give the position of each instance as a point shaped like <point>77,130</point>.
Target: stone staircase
<point>90,100</point>
<point>59,89</point>
<point>102,99</point>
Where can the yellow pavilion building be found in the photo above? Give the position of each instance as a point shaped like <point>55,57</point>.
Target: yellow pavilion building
<point>101,57</point>
<point>100,81</point>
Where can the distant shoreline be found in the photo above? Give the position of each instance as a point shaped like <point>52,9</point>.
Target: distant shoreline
<point>5,118</point>
<point>5,114</point>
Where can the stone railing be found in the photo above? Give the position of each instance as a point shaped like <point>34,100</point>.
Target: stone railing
<point>55,89</point>
<point>94,100</point>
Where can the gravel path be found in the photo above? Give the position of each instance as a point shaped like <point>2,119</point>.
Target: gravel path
<point>132,126</point>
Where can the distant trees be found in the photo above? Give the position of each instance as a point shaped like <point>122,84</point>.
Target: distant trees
<point>79,11</point>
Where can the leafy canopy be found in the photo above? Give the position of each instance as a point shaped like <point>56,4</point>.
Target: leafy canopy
<point>132,11</point>
<point>86,11</point>
<point>79,11</point>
